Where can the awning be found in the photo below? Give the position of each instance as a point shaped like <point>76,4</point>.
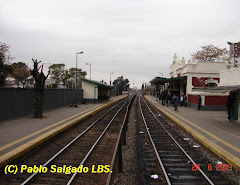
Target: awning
<point>158,80</point>
<point>100,84</point>
<point>161,81</point>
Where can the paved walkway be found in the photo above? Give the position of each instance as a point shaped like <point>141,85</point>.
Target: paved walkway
<point>20,135</point>
<point>209,127</point>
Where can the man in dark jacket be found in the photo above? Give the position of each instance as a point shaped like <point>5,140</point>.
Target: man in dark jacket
<point>199,100</point>
<point>229,108</point>
<point>175,102</point>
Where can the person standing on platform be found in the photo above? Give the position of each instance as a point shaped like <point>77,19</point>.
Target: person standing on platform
<point>176,102</point>
<point>167,97</point>
<point>173,99</point>
<point>199,100</point>
<point>185,101</point>
<point>229,108</point>
<point>163,98</point>
<point>181,100</point>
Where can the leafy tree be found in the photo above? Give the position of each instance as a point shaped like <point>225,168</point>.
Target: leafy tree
<point>210,53</point>
<point>20,72</point>
<point>40,79</point>
<point>5,69</point>
<point>57,73</point>
<point>71,76</point>
<point>120,84</point>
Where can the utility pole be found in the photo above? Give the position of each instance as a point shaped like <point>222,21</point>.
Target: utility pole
<point>110,79</point>
<point>76,67</point>
<point>90,69</point>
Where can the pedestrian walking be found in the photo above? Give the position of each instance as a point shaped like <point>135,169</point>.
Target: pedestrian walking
<point>175,103</point>
<point>229,108</point>
<point>199,100</point>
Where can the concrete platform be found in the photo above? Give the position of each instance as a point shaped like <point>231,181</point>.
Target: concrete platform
<point>209,127</point>
<point>21,135</point>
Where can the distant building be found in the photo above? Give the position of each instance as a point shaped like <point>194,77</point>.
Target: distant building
<point>192,78</point>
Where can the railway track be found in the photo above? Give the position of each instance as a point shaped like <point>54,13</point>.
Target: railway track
<point>85,159</point>
<point>167,157</point>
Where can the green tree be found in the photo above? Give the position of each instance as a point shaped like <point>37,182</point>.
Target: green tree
<point>210,53</point>
<point>120,84</point>
<point>72,76</point>
<point>57,73</point>
<point>66,77</point>
<point>5,69</point>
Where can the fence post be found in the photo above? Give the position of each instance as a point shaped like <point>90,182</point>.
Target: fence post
<point>120,168</point>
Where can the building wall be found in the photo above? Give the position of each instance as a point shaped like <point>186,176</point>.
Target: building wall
<point>193,99</point>
<point>215,100</point>
<point>230,77</point>
<point>196,82</point>
<point>89,90</point>
<point>202,71</point>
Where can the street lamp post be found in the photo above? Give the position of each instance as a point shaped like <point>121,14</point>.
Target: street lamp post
<point>90,68</point>
<point>110,78</point>
<point>76,67</point>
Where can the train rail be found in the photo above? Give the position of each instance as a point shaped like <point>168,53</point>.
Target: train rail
<point>175,156</point>
<point>90,150</point>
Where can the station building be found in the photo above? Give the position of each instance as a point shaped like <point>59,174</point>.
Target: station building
<point>230,83</point>
<point>192,79</point>
<point>95,91</point>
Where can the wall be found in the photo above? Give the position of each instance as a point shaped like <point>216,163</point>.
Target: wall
<point>230,77</point>
<point>196,82</point>
<point>18,102</point>
<point>215,100</point>
<point>88,91</point>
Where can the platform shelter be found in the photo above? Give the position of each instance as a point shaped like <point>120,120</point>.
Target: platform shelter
<point>95,91</point>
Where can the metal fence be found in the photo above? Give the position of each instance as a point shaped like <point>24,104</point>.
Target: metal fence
<point>16,102</point>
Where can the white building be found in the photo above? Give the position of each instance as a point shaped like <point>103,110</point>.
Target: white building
<point>192,78</point>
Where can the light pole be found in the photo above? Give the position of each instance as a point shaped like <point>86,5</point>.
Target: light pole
<point>90,68</point>
<point>76,67</point>
<point>110,78</point>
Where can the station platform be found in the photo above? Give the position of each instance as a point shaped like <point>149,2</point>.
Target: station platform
<point>211,128</point>
<point>21,135</point>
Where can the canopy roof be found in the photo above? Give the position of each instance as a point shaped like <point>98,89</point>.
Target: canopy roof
<point>160,80</point>
<point>100,84</point>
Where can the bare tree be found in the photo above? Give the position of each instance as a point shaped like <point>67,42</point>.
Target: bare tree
<point>40,79</point>
<point>210,53</point>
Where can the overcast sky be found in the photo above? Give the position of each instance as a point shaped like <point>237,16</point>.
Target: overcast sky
<point>132,38</point>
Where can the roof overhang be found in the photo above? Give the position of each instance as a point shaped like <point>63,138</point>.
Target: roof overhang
<point>223,89</point>
<point>161,81</point>
<point>99,84</point>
